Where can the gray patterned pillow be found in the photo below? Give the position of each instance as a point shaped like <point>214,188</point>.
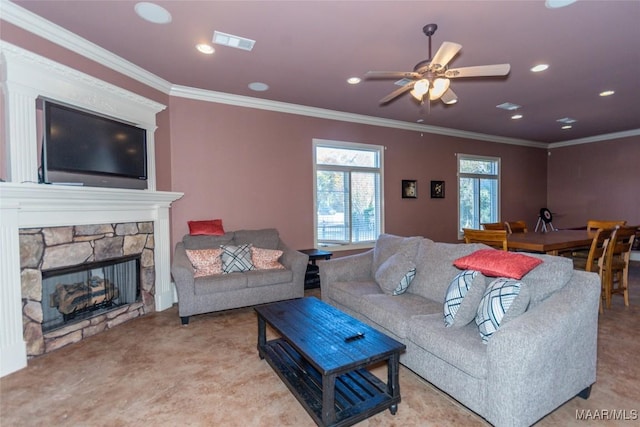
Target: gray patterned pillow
<point>236,258</point>
<point>395,274</point>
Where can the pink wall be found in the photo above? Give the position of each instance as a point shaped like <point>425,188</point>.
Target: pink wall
<point>595,181</point>
<point>29,41</point>
<point>253,169</point>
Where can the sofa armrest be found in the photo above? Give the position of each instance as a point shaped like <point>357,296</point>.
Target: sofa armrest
<point>545,357</point>
<point>295,261</point>
<point>351,268</point>
<point>182,272</point>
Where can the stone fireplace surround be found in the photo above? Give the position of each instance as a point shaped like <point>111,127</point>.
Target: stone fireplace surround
<point>26,76</point>
<point>43,249</point>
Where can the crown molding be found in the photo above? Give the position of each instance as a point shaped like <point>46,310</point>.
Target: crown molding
<point>283,107</point>
<point>597,138</point>
<point>54,33</point>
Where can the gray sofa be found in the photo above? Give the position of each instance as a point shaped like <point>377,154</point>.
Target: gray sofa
<point>197,295</point>
<point>533,363</point>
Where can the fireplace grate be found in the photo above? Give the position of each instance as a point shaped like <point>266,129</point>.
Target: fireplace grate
<point>83,291</point>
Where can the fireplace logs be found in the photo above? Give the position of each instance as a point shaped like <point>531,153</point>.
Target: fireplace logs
<point>76,298</point>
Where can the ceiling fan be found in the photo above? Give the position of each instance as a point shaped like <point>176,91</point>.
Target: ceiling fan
<point>430,78</point>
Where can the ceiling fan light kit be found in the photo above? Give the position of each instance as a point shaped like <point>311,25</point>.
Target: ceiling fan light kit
<point>431,77</point>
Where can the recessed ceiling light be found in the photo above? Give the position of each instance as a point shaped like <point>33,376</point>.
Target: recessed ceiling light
<point>353,80</point>
<point>205,48</point>
<point>258,86</point>
<point>607,93</point>
<point>539,67</point>
<point>152,12</point>
<point>566,120</point>
<point>565,127</point>
<point>517,116</point>
<point>420,121</point>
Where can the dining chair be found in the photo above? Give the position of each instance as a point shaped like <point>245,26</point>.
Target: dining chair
<point>493,238</point>
<point>516,226</point>
<point>494,226</point>
<point>594,224</point>
<point>596,251</point>
<point>616,264</point>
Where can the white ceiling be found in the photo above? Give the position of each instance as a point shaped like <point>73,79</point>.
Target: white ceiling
<point>305,51</point>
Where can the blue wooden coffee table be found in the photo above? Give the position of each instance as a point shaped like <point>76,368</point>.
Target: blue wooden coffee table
<point>322,355</point>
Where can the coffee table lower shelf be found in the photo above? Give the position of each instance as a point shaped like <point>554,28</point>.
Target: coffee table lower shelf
<point>358,393</point>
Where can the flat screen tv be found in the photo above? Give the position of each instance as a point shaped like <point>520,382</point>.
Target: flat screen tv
<point>82,148</point>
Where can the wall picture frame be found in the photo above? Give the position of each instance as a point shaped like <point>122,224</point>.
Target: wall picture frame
<point>437,189</point>
<point>409,189</point>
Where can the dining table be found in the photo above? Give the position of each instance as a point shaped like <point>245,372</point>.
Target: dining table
<point>550,242</point>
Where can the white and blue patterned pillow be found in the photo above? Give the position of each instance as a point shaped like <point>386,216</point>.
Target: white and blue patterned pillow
<point>499,303</point>
<point>236,258</point>
<point>456,292</point>
<point>405,282</point>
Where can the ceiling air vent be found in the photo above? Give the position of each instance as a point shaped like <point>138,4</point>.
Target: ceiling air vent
<point>233,41</point>
<point>566,120</point>
<point>509,106</point>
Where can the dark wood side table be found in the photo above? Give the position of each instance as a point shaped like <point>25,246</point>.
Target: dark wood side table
<point>312,278</point>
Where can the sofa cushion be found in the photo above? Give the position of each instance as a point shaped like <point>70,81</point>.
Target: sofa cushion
<point>388,245</point>
<point>463,297</point>
<point>206,242</point>
<point>236,258</point>
<point>211,227</point>
<point>435,268</point>
<point>395,274</point>
<point>266,259</point>
<point>497,263</point>
<point>503,295</point>
<point>395,313</point>
<point>462,348</point>
<point>257,278</point>
<point>547,278</point>
<point>350,294</point>
<point>220,283</point>
<point>267,238</point>
<point>205,261</point>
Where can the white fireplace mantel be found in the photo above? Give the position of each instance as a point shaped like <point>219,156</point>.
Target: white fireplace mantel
<point>25,77</point>
<point>41,205</point>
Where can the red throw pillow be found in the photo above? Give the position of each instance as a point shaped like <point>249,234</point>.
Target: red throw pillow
<point>496,263</point>
<point>211,227</point>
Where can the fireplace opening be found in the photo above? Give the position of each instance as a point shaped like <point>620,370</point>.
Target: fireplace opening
<point>74,293</point>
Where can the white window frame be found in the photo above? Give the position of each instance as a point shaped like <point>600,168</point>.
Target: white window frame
<point>351,146</point>
<point>498,177</point>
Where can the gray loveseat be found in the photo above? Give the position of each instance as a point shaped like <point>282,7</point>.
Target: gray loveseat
<point>533,363</point>
<point>197,295</point>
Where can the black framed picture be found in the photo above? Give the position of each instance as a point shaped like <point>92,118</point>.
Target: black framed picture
<point>409,189</point>
<point>437,189</point>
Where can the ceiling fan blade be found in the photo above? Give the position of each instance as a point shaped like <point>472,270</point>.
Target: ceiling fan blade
<point>449,97</point>
<point>391,75</point>
<point>479,71</point>
<point>445,54</point>
<point>397,93</point>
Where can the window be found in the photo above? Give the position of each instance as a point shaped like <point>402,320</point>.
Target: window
<point>348,193</point>
<point>478,191</point>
